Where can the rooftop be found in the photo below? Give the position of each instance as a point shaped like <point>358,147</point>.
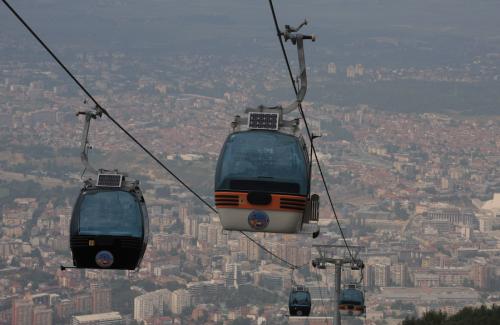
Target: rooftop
<point>114,315</point>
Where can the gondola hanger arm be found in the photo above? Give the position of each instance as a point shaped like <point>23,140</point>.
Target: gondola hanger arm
<point>292,34</point>
<point>84,143</point>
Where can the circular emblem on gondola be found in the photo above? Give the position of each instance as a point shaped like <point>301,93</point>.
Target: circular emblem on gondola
<point>258,220</point>
<point>104,259</point>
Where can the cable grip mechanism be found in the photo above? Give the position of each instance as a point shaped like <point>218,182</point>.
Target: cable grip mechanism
<point>292,34</point>
<point>84,143</point>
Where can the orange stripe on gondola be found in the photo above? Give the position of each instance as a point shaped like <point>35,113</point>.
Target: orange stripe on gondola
<point>279,202</point>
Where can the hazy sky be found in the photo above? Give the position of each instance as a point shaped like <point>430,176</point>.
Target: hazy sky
<point>234,25</point>
<point>387,33</point>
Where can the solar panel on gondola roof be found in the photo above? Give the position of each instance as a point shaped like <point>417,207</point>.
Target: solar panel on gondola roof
<point>263,121</point>
<point>109,180</point>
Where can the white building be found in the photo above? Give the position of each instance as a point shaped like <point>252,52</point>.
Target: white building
<point>382,274</point>
<point>233,275</point>
<point>491,209</point>
<point>151,304</point>
<point>180,299</point>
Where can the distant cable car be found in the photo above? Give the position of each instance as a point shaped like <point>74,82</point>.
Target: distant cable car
<point>319,264</point>
<point>109,224</point>
<point>299,301</point>
<point>352,301</point>
<point>263,175</point>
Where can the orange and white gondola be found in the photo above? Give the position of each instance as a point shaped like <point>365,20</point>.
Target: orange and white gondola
<point>262,182</point>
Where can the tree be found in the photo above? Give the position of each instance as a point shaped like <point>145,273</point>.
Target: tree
<point>482,315</point>
<point>173,285</point>
<point>123,296</point>
<point>241,321</point>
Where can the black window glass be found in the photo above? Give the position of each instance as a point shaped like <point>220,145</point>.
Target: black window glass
<point>115,213</point>
<point>262,156</point>
<point>300,298</point>
<point>352,296</point>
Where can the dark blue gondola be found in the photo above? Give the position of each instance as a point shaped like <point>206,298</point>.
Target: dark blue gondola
<point>299,302</point>
<point>109,226</point>
<point>352,301</point>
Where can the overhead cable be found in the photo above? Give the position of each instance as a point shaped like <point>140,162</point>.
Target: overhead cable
<point>102,110</point>
<point>99,108</point>
<point>309,134</point>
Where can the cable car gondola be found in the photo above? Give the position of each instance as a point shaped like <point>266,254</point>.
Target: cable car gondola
<point>299,301</point>
<point>262,181</point>
<point>352,301</point>
<point>109,224</point>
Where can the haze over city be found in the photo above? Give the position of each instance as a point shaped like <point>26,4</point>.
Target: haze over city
<point>403,93</point>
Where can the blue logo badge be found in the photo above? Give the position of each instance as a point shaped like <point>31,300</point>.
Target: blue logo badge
<point>104,259</point>
<point>258,220</point>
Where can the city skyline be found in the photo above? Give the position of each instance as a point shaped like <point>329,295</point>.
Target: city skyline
<point>418,188</point>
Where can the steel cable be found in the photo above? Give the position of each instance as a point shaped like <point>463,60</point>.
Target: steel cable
<point>309,134</point>
<point>99,108</point>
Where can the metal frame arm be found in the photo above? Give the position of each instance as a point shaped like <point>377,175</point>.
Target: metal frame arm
<point>302,68</point>
<point>291,33</point>
<point>84,144</point>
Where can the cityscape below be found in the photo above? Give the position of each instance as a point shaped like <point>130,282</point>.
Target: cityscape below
<point>416,186</point>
